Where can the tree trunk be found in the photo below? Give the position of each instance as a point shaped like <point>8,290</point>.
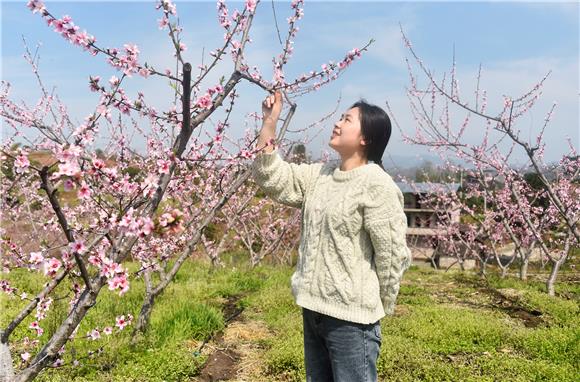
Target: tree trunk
<point>144,316</point>
<point>146,307</point>
<point>504,271</point>
<point>557,264</point>
<point>49,352</point>
<point>524,268</point>
<point>550,284</point>
<point>6,369</point>
<point>482,266</point>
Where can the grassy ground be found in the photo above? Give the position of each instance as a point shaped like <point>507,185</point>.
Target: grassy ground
<point>448,326</point>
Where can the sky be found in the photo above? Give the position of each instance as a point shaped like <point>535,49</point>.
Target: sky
<point>516,43</point>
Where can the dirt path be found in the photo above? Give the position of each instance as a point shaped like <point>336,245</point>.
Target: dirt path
<point>485,297</point>
<point>235,354</point>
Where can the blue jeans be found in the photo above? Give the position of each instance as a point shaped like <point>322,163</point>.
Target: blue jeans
<point>338,350</point>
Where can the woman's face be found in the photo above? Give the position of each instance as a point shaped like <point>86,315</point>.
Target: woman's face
<point>346,136</point>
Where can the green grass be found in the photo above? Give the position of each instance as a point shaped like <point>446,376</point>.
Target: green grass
<point>446,327</point>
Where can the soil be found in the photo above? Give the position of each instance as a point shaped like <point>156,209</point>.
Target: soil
<point>236,353</point>
<point>508,301</point>
<point>505,299</point>
<point>221,365</point>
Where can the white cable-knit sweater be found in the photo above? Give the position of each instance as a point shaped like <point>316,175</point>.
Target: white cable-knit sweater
<point>353,250</point>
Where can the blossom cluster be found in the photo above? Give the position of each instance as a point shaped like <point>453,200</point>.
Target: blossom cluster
<point>205,101</point>
<point>117,276</point>
<point>127,62</point>
<point>41,310</point>
<point>120,322</point>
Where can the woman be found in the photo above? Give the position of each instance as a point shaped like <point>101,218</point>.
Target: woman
<point>353,249</point>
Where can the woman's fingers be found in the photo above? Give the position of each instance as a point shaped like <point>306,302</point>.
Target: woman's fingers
<point>272,99</point>
<point>269,101</point>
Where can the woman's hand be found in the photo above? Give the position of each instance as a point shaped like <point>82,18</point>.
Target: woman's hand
<point>272,107</point>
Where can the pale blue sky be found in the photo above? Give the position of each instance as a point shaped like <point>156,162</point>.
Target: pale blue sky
<point>516,42</point>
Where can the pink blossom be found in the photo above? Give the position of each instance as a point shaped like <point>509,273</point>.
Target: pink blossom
<point>147,226</point>
<point>68,169</point>
<point>169,6</point>
<point>74,152</point>
<point>223,15</point>
<point>119,282</point>
<point>215,89</point>
<point>218,139</point>
<point>122,322</point>
<point>251,5</point>
<point>94,83</point>
<point>163,166</point>
<point>110,268</point>
<point>52,266</point>
<point>78,247</point>
<point>204,102</point>
<point>246,154</point>
<point>94,334</point>
<point>36,258</point>
<point>6,288</point>
<point>84,191</point>
<point>25,356</point>
<point>355,52</point>
<point>21,163</point>
<point>95,260</point>
<point>163,22</point>
<point>36,6</point>
<point>131,50</point>
<point>108,330</point>
<point>34,325</point>
<point>59,362</point>
<point>236,45</point>
<point>296,3</point>
<point>144,72</point>
<point>165,219</point>
<point>98,163</point>
<point>256,76</point>
<point>114,81</point>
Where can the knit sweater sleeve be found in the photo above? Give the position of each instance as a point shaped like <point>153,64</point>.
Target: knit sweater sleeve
<point>285,182</point>
<point>386,223</point>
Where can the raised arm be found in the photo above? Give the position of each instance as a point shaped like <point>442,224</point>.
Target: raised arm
<point>284,182</point>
